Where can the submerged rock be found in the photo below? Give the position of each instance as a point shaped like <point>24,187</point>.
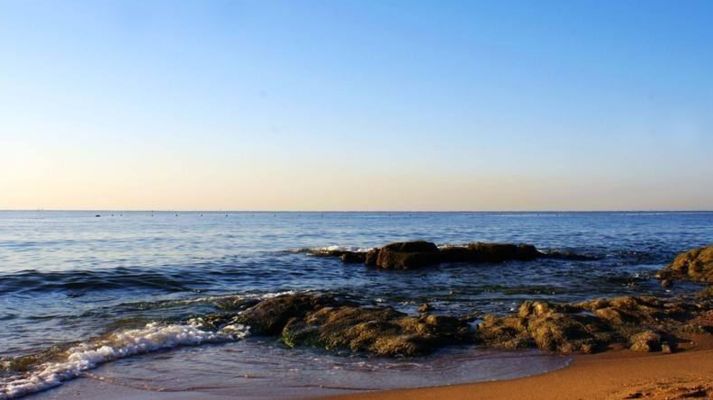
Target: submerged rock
<point>694,265</point>
<point>347,256</point>
<point>353,257</point>
<point>568,255</point>
<point>490,252</point>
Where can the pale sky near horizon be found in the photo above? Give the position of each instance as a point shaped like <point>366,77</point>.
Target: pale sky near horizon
<point>356,105</point>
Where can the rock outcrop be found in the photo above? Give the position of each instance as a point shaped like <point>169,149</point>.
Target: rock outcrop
<point>694,265</point>
<point>646,341</point>
<point>325,322</point>
<point>418,254</point>
<point>379,331</point>
<point>270,316</point>
<point>408,255</point>
<point>641,323</point>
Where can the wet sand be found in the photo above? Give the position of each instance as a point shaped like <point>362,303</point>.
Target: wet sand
<point>613,375</point>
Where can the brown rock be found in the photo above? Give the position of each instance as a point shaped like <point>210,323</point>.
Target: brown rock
<point>508,332</point>
<point>269,316</point>
<point>379,331</point>
<point>416,254</point>
<point>371,257</point>
<point>667,348</point>
<point>695,265</point>
<point>594,324</point>
<point>646,341</point>
<point>323,321</point>
<point>408,255</point>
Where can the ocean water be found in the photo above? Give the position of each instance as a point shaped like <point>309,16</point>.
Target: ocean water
<point>112,297</point>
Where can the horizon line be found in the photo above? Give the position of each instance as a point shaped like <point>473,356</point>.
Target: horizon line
<point>354,211</point>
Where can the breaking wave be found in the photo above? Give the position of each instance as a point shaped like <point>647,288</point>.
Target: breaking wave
<point>52,368</point>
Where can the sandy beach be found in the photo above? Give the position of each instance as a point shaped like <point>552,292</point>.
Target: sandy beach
<point>613,375</point>
<point>619,374</point>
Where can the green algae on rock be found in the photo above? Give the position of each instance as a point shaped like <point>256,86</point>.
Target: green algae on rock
<point>378,331</point>
<point>326,322</point>
<point>269,316</point>
<point>644,323</point>
<point>694,265</point>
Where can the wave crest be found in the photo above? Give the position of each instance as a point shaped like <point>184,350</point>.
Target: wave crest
<point>70,363</point>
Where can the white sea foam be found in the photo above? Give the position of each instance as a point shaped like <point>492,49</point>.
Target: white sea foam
<point>213,299</point>
<point>120,344</point>
<point>326,249</point>
<point>342,248</point>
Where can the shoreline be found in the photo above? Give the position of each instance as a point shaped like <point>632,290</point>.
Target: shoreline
<point>618,374</point>
<point>615,374</point>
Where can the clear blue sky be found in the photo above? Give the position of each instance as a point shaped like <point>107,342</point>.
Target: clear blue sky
<point>344,105</point>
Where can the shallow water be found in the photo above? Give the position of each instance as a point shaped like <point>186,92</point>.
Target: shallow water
<point>259,369</point>
<point>71,276</point>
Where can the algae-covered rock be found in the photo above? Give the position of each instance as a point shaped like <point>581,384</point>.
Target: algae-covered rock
<point>509,332</point>
<point>594,325</point>
<point>643,323</point>
<point>380,331</point>
<point>646,341</point>
<point>424,308</point>
<point>269,316</point>
<point>548,326</point>
<point>694,265</point>
<point>323,321</point>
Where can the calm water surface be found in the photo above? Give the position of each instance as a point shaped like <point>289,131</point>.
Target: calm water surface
<point>66,277</point>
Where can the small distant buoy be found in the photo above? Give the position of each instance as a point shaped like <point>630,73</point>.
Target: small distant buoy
<point>97,216</point>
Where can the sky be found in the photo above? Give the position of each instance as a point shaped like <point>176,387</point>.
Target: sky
<point>356,105</point>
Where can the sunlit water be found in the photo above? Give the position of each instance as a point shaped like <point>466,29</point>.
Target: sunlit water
<point>66,277</point>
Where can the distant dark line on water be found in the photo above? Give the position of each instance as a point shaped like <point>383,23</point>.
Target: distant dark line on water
<point>168,211</point>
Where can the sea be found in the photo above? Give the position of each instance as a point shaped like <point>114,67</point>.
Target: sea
<point>106,302</point>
